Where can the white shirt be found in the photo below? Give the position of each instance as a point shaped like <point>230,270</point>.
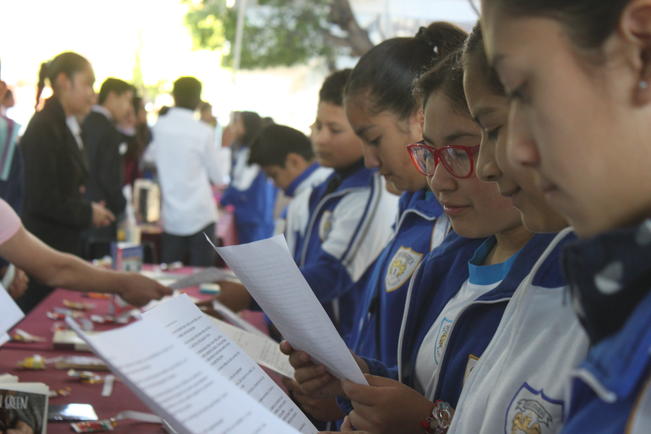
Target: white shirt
<point>432,350</point>
<point>187,161</point>
<point>523,377</point>
<point>75,129</point>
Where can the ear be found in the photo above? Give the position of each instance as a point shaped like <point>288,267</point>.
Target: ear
<point>62,82</point>
<point>294,161</point>
<point>416,121</point>
<point>635,25</point>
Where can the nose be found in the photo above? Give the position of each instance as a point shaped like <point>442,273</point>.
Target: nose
<point>521,149</point>
<point>486,166</point>
<point>319,136</point>
<point>441,180</point>
<point>371,156</point>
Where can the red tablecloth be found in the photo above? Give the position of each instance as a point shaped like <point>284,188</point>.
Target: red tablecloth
<point>121,399</point>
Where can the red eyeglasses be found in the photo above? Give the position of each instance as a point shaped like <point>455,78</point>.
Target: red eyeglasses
<point>459,161</point>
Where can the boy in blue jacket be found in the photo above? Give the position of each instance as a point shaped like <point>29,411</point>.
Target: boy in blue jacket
<point>286,156</point>
<point>350,213</point>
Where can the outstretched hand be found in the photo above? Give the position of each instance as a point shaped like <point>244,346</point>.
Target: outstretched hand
<point>139,290</point>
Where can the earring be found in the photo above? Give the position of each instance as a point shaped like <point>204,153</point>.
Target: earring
<point>643,84</point>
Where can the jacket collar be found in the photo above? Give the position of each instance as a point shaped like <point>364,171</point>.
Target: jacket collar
<point>609,275</point>
<point>422,202</point>
<point>293,186</point>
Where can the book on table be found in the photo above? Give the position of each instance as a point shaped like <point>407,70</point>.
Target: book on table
<point>23,406</point>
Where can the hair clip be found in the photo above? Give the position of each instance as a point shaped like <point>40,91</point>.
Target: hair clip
<point>423,35</point>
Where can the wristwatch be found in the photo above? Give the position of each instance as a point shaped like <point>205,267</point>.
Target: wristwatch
<point>439,421</point>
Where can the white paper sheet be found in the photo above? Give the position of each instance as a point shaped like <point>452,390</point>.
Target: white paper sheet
<point>178,384</point>
<point>199,332</point>
<point>272,278</point>
<point>235,319</point>
<point>265,351</point>
<point>11,314</point>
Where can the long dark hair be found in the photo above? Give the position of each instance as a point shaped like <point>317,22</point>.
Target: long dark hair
<point>67,63</point>
<point>385,74</point>
<point>252,127</point>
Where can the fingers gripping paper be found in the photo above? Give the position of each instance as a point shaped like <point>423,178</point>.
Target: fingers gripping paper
<point>271,276</point>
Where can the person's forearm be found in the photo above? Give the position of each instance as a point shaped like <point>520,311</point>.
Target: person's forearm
<point>73,273</point>
<point>57,269</point>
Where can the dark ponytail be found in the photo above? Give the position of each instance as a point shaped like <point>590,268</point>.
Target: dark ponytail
<point>447,77</point>
<point>67,63</point>
<point>42,75</point>
<point>384,75</point>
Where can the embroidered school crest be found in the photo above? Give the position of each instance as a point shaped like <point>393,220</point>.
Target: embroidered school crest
<point>533,412</point>
<point>402,266</point>
<point>325,225</point>
<point>442,339</point>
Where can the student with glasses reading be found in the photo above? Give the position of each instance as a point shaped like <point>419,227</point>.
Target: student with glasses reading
<point>457,297</point>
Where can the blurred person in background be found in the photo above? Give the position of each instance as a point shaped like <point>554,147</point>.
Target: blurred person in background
<point>137,141</point>
<point>187,162</point>
<point>250,192</point>
<point>55,209</point>
<point>104,145</point>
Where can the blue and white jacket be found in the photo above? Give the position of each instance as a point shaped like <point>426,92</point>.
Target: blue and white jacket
<point>350,218</point>
<point>520,384</point>
<point>253,197</point>
<point>420,227</point>
<point>610,280</point>
<point>437,282</point>
<point>293,220</point>
<point>474,327</point>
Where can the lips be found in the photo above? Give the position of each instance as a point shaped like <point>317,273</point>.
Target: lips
<point>453,209</point>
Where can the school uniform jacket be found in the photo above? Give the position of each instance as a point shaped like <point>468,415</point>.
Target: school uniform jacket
<point>419,228</point>
<point>55,175</point>
<point>521,381</point>
<point>350,218</point>
<point>443,270</point>
<point>474,327</point>
<point>296,215</point>
<point>102,147</point>
<point>610,281</point>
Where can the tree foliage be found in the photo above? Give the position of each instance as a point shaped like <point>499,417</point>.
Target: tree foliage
<point>279,32</point>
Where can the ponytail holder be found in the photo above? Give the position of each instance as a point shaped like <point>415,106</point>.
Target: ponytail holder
<point>424,36</point>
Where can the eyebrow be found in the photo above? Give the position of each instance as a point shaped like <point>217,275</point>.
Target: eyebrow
<point>483,112</point>
<point>449,138</point>
<point>361,130</point>
<point>428,140</point>
<point>457,135</point>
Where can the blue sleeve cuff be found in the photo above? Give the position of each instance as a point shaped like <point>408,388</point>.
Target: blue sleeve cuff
<point>344,404</point>
<point>375,367</point>
<point>378,368</point>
